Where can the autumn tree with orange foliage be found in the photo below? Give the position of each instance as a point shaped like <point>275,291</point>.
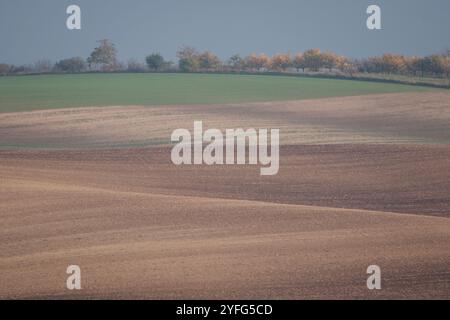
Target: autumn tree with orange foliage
<point>280,62</point>
<point>299,62</point>
<point>209,61</point>
<point>257,62</point>
<point>446,65</point>
<point>313,59</point>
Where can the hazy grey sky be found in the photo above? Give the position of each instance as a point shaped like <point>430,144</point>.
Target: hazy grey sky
<point>33,30</point>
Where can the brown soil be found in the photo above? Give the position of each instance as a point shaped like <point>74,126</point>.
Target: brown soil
<point>355,188</point>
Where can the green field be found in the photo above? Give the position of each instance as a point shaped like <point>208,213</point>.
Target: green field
<point>26,93</point>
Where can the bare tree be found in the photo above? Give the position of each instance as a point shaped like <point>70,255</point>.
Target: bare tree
<point>4,69</point>
<point>43,66</point>
<point>104,56</point>
<point>135,66</point>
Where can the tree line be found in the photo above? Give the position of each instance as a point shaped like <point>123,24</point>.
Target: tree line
<point>104,59</point>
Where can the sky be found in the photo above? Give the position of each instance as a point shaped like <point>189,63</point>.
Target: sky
<point>36,30</point>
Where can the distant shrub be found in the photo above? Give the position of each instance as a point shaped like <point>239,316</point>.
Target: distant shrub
<point>72,65</point>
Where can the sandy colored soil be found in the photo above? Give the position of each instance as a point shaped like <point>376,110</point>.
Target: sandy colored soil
<point>387,119</point>
<point>363,180</point>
